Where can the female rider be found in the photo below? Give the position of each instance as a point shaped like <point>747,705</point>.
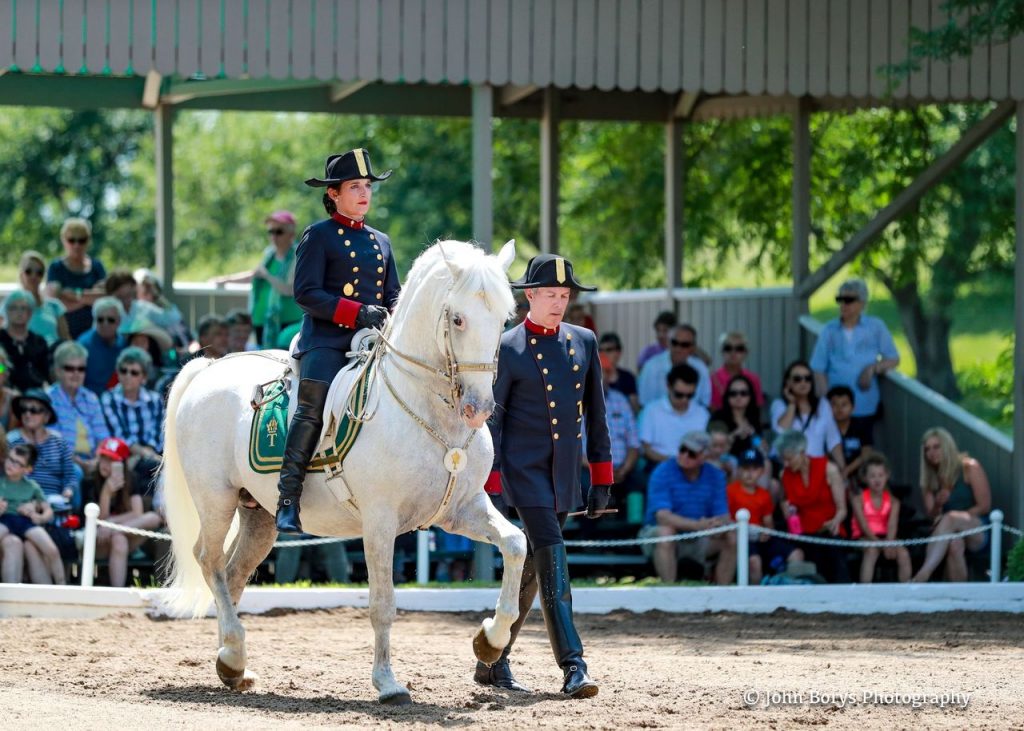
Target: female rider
<point>345,280</point>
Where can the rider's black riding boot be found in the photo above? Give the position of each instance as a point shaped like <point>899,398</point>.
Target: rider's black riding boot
<point>556,603</point>
<point>303,436</point>
<point>500,673</point>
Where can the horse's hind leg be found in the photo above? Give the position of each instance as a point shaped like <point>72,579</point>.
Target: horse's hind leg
<point>256,537</point>
<point>379,547</point>
<point>209,552</point>
<point>481,521</point>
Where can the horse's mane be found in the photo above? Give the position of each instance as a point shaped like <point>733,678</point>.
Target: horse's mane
<point>477,273</point>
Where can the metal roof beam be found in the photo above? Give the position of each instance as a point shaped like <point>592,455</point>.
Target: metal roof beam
<point>340,92</point>
<point>151,91</point>
<point>179,92</point>
<point>513,94</point>
<point>967,143</point>
<point>684,105</point>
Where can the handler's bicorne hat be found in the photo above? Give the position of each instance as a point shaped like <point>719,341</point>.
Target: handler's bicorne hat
<point>549,270</point>
<point>353,165</point>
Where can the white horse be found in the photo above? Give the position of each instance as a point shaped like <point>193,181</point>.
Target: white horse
<point>432,393</point>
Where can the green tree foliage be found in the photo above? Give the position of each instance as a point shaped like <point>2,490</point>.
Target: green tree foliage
<point>58,163</point>
<point>968,23</point>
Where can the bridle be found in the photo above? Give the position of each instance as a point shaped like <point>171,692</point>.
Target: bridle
<point>452,369</point>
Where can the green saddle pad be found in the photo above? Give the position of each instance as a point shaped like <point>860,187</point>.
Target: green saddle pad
<point>269,430</point>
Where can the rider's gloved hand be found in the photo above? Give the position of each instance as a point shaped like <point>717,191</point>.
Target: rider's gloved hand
<point>598,499</point>
<point>371,316</point>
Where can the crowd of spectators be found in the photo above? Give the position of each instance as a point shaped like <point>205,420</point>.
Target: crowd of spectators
<point>802,460</point>
<point>87,358</point>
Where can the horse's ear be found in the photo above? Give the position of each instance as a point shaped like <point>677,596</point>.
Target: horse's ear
<point>507,255</point>
<point>444,256</point>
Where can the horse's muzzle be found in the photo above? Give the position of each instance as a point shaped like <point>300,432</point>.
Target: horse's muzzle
<point>475,415</point>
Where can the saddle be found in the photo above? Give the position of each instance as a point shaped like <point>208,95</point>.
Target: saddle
<point>344,413</point>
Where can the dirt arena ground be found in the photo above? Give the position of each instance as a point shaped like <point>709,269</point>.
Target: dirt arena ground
<point>725,671</point>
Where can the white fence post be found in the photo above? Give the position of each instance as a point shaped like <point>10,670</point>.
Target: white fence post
<point>743,547</point>
<point>422,556</point>
<point>92,514</point>
<point>996,545</point>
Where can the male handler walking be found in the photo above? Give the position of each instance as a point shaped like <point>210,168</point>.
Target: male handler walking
<point>547,391</point>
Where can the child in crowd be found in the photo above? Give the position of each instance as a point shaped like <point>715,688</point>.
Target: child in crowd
<point>718,451</point>
<point>26,511</point>
<point>111,486</point>
<point>855,433</point>
<point>876,518</point>
<point>240,329</point>
<point>766,552</point>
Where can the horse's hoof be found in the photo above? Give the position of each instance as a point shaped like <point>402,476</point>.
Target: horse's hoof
<point>484,651</point>
<point>240,680</point>
<point>401,698</point>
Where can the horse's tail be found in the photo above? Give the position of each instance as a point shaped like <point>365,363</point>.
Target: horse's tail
<point>189,593</point>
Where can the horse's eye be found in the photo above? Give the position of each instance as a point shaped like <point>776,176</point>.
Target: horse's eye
<point>458,321</point>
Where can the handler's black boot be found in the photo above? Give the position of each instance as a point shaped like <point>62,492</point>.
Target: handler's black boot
<point>500,673</point>
<point>303,436</point>
<point>556,603</point>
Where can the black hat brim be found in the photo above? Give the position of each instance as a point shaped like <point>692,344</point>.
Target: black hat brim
<point>18,401</point>
<point>321,183</point>
<point>571,284</point>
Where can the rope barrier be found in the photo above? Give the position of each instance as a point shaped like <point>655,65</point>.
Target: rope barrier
<point>298,543</point>
<point>742,528</point>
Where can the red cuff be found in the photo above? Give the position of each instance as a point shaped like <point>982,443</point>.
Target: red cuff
<point>346,311</point>
<point>601,473</point>
<point>493,484</point>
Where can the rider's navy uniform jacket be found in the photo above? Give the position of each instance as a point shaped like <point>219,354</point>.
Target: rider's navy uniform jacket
<point>547,389</point>
<point>341,264</point>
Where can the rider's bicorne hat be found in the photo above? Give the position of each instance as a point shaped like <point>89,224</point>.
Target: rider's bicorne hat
<point>352,165</point>
<point>549,270</point>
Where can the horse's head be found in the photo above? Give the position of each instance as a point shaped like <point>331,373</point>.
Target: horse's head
<point>473,316</point>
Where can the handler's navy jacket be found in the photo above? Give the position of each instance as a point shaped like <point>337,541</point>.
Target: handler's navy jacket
<point>341,264</point>
<point>549,382</point>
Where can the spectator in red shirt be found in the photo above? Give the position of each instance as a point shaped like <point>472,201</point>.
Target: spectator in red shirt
<point>734,353</point>
<point>766,552</point>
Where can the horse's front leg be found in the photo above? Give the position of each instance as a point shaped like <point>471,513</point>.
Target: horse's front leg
<point>481,521</point>
<point>379,548</point>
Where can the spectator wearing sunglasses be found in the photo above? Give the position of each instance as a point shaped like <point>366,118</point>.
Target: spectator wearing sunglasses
<point>682,349</point>
<point>741,415</point>
<point>853,350</point>
<point>272,297</point>
<point>79,416</point>
<point>48,319</point>
<point>686,494</point>
<point>801,409</point>
<point>103,344</point>
<point>135,414</point>
<point>74,278</point>
<point>664,422</point>
<point>55,466</point>
<point>618,379</point>
<point>734,353</point>
<point>28,354</point>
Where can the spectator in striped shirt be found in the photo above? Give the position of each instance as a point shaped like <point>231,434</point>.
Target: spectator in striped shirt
<point>79,417</point>
<point>54,468</point>
<point>135,414</point>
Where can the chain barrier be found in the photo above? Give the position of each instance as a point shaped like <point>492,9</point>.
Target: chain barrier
<point>298,543</point>
<point>689,536</point>
<point>1014,531</point>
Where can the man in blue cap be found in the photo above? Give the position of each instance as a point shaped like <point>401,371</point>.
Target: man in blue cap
<point>548,389</point>
<point>345,280</point>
